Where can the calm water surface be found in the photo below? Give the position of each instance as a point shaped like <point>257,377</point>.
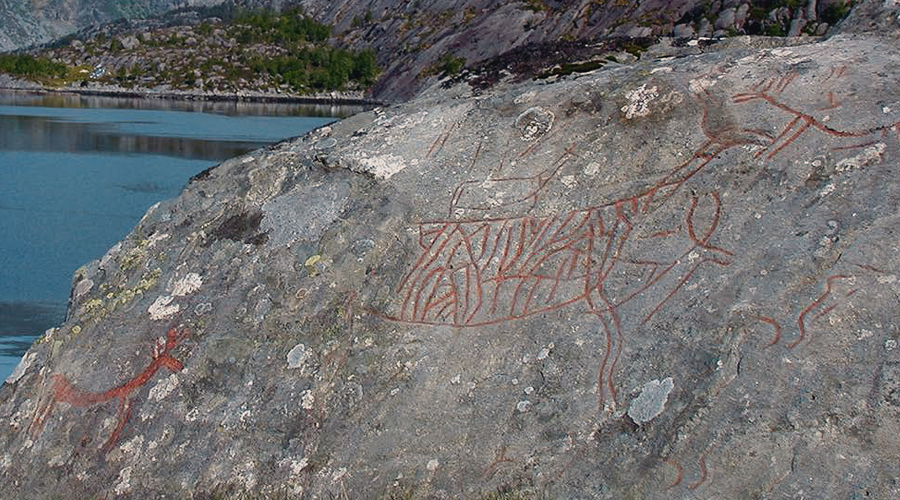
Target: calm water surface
<point>76,174</point>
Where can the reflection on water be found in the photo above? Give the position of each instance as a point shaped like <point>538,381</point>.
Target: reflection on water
<point>17,318</point>
<point>229,108</point>
<point>75,179</point>
<point>43,133</point>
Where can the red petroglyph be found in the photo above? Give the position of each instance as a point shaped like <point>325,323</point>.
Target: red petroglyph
<point>768,91</point>
<point>63,391</point>
<point>822,305</point>
<point>776,326</point>
<point>491,260</point>
<point>499,458</point>
<point>679,473</point>
<point>801,319</point>
<point>832,103</point>
<point>703,472</point>
<point>440,140</point>
<point>854,146</point>
<point>483,271</point>
<point>480,272</point>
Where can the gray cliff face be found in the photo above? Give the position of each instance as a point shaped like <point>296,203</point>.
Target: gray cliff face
<point>25,23</point>
<point>413,37</point>
<point>670,279</point>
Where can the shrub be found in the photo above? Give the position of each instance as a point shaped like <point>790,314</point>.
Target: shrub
<point>27,66</point>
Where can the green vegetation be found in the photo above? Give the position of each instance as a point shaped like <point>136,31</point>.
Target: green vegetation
<point>321,68</point>
<point>447,65</point>
<point>836,12</point>
<point>288,28</point>
<point>231,49</point>
<point>31,67</point>
<point>775,30</point>
<point>304,63</point>
<point>536,5</point>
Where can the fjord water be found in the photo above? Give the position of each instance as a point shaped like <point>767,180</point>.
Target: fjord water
<point>77,173</point>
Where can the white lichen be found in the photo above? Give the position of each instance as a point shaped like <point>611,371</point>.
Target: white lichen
<point>132,448</point>
<point>592,169</point>
<point>338,474</point>
<point>296,466</point>
<point>869,155</point>
<point>545,352</point>
<point>652,400</point>
<point>298,356</point>
<point>156,238</point>
<point>124,481</point>
<point>534,123</point>
<point>163,308</point>
<point>639,101</point>
<point>164,387</point>
<point>192,415</point>
<point>244,474</point>
<point>382,167</point>
<point>307,400</point>
<point>190,283</point>
<point>702,84</point>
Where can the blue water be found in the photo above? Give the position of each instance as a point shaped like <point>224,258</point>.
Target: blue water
<point>75,180</point>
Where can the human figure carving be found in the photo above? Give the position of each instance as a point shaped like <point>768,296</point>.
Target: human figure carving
<point>63,391</point>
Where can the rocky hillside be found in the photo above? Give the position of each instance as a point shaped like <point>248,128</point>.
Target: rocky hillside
<point>27,23</point>
<point>249,52</point>
<point>418,43</point>
<point>674,278</point>
<point>412,36</point>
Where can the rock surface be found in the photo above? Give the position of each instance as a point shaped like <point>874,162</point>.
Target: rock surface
<point>469,292</point>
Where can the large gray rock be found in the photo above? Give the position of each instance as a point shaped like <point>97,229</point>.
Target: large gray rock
<point>671,279</point>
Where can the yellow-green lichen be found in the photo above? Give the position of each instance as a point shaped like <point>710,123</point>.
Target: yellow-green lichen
<point>310,264</point>
<point>148,280</point>
<point>132,259</point>
<point>96,309</point>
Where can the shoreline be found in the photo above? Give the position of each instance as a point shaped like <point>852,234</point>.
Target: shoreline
<point>197,97</point>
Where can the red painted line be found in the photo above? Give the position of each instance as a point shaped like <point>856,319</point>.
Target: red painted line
<point>679,473</point>
<point>62,390</point>
<point>801,321</point>
<point>775,325</point>
<point>703,471</point>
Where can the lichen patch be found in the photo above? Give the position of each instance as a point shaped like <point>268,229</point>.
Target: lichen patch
<point>639,101</point>
<point>652,400</point>
<point>190,283</point>
<point>382,167</point>
<point>163,308</point>
<point>124,481</point>
<point>868,156</point>
<point>164,387</point>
